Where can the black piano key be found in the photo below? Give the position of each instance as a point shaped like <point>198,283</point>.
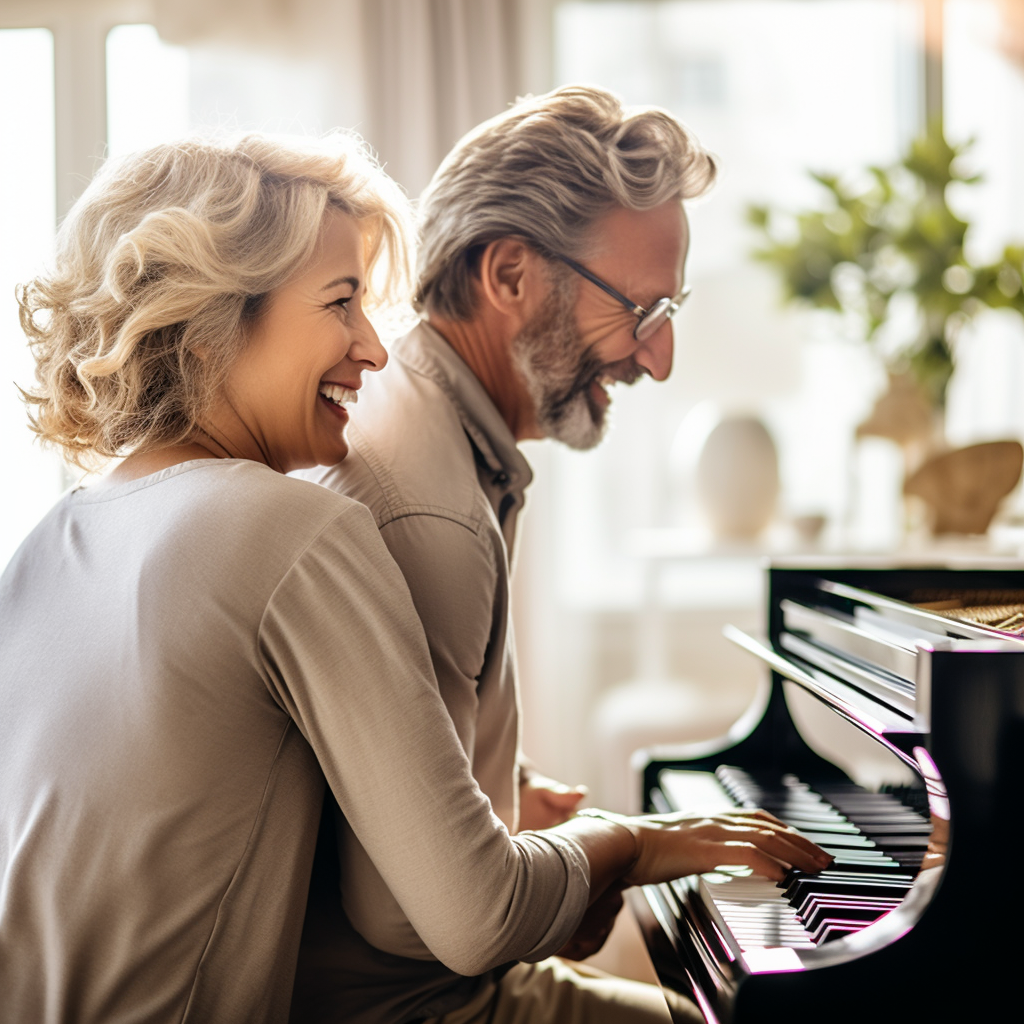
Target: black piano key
<point>870,818</point>
<point>846,875</point>
<point>909,859</point>
<point>831,912</point>
<point>840,840</point>
<point>890,843</point>
<point>836,930</point>
<point>805,823</point>
<point>897,828</point>
<point>853,860</point>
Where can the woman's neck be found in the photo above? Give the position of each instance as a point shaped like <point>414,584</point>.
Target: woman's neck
<point>140,464</point>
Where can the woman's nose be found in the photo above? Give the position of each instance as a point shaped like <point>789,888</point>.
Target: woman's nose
<point>367,348</point>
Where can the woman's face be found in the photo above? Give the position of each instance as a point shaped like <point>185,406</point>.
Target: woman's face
<point>287,396</point>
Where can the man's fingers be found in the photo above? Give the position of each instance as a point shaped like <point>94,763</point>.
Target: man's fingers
<point>565,798</point>
<point>542,784</point>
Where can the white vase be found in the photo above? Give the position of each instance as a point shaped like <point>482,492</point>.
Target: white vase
<point>738,478</point>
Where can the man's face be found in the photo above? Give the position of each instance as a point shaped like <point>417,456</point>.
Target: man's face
<point>580,340</point>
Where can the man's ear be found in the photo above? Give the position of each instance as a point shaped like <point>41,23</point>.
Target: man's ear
<point>512,278</point>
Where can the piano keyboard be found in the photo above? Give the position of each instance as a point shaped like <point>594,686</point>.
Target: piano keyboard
<point>878,844</point>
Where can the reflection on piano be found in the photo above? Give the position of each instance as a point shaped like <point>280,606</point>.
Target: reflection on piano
<point>918,913</point>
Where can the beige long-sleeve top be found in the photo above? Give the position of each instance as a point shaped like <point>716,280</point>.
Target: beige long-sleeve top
<point>183,659</point>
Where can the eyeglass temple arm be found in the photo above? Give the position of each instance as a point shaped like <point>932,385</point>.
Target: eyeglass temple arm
<point>580,269</point>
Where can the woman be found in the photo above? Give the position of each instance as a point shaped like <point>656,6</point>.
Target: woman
<point>175,688</point>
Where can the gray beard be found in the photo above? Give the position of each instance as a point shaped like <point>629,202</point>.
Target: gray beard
<point>557,371</point>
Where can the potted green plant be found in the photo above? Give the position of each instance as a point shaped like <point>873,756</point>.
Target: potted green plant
<point>886,252</point>
<point>886,241</point>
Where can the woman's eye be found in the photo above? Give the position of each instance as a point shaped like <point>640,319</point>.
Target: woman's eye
<point>344,306</point>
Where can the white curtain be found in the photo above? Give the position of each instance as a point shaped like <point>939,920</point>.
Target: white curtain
<point>267,24</point>
<point>430,69</point>
<point>436,68</point>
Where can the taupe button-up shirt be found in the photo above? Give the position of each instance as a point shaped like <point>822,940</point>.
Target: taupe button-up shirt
<point>439,469</point>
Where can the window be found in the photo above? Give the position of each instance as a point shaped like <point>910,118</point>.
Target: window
<point>775,88</point>
<point>138,118</point>
<point>33,478</point>
<point>984,100</point>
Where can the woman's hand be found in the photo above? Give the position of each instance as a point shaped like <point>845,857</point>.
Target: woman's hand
<point>659,847</point>
<point>672,845</point>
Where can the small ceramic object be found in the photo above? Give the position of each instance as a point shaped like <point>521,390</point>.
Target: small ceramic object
<point>738,478</point>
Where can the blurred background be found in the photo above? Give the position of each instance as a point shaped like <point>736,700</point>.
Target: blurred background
<point>625,572</point>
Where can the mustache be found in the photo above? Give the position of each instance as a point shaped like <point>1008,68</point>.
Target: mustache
<point>624,371</point>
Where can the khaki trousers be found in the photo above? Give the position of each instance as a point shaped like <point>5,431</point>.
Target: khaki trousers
<point>561,992</point>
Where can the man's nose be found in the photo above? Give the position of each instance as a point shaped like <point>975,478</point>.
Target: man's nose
<point>655,354</point>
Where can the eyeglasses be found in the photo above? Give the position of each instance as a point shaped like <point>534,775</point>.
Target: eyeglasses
<point>650,320</point>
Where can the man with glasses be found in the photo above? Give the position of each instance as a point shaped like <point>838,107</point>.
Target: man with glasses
<point>553,244</point>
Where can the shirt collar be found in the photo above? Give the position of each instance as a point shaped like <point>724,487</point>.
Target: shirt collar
<point>425,351</point>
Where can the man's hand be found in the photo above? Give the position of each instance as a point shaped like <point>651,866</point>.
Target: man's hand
<point>543,802</point>
<point>595,927</point>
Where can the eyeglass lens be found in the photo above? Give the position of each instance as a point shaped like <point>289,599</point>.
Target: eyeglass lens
<point>658,314</point>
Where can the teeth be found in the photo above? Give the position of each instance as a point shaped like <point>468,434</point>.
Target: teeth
<point>339,395</point>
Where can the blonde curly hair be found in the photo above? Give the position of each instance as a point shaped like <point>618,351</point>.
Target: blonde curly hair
<point>545,170</point>
<point>164,262</point>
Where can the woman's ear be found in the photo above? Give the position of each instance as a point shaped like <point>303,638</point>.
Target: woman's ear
<point>512,278</point>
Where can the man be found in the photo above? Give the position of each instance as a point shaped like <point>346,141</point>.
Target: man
<point>553,242</point>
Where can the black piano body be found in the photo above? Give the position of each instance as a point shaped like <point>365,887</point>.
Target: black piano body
<point>953,948</point>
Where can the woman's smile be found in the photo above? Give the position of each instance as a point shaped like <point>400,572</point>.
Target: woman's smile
<point>336,397</point>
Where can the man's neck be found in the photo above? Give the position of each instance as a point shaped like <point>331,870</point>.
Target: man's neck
<point>487,351</point>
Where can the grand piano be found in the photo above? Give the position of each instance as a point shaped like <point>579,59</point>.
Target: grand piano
<point>920,915</point>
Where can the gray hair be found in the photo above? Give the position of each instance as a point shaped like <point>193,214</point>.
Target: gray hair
<point>544,171</point>
<point>163,263</point>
